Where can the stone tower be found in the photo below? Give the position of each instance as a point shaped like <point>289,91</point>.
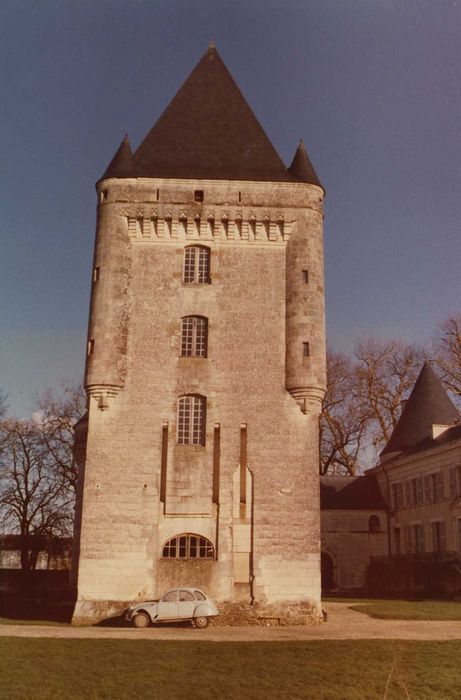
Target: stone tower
<point>205,368</point>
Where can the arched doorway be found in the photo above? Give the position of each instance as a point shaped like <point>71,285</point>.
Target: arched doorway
<point>328,572</point>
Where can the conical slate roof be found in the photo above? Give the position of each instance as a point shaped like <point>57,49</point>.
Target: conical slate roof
<point>208,131</point>
<point>427,405</point>
<point>121,164</point>
<point>302,168</point>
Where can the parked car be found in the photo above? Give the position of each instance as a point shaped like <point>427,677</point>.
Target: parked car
<point>183,603</point>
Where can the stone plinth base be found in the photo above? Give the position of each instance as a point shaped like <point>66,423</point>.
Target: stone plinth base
<point>283,614</point>
<point>92,612</point>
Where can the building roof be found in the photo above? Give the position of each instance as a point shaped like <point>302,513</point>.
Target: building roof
<point>302,168</point>
<point>121,164</point>
<point>208,131</point>
<point>350,493</point>
<point>427,405</point>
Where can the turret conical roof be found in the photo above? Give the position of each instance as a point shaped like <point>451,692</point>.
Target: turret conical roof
<point>428,405</point>
<point>208,131</point>
<point>121,164</point>
<point>302,168</point>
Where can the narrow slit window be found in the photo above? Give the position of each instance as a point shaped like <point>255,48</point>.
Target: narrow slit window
<point>306,350</point>
<point>306,276</point>
<point>90,347</point>
<point>196,265</point>
<point>191,419</point>
<point>96,274</point>
<point>194,336</point>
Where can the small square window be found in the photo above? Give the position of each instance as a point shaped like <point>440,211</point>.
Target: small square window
<point>306,276</point>
<point>306,350</point>
<point>198,196</point>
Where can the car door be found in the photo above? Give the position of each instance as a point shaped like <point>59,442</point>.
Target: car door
<point>168,606</point>
<point>186,604</point>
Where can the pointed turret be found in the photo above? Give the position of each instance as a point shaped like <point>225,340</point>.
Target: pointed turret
<point>428,405</point>
<point>208,131</point>
<point>121,164</point>
<point>302,168</point>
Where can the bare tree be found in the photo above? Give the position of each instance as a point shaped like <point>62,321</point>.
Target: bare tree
<point>57,415</point>
<point>3,404</point>
<point>35,501</point>
<point>38,473</point>
<point>446,354</point>
<point>363,402</point>
<point>343,421</point>
<point>386,373</point>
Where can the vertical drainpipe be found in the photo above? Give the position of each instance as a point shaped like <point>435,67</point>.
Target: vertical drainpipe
<point>252,511</point>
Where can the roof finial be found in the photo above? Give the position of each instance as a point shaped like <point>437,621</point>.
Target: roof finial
<point>212,45</point>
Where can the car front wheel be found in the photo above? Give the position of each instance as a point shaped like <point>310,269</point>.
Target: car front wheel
<point>142,619</point>
<point>201,622</point>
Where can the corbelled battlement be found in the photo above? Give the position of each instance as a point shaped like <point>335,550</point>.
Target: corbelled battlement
<point>224,225</point>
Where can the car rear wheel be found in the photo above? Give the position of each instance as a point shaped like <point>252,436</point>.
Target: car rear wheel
<point>201,622</point>
<point>142,619</point>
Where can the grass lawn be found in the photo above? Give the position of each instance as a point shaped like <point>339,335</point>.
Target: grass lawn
<point>410,609</point>
<point>169,670</point>
<point>389,609</point>
<point>48,623</point>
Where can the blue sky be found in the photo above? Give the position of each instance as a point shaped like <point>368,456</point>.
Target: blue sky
<point>372,86</point>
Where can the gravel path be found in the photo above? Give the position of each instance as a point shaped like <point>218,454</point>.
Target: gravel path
<point>343,623</point>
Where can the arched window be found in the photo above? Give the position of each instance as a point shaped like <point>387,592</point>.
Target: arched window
<point>196,264</point>
<point>188,546</point>
<point>374,524</point>
<point>191,419</point>
<point>194,336</point>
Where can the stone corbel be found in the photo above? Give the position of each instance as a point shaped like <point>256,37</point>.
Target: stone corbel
<point>309,399</point>
<point>103,395</point>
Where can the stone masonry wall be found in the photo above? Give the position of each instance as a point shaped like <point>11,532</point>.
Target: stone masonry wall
<point>135,375</point>
<point>346,539</point>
